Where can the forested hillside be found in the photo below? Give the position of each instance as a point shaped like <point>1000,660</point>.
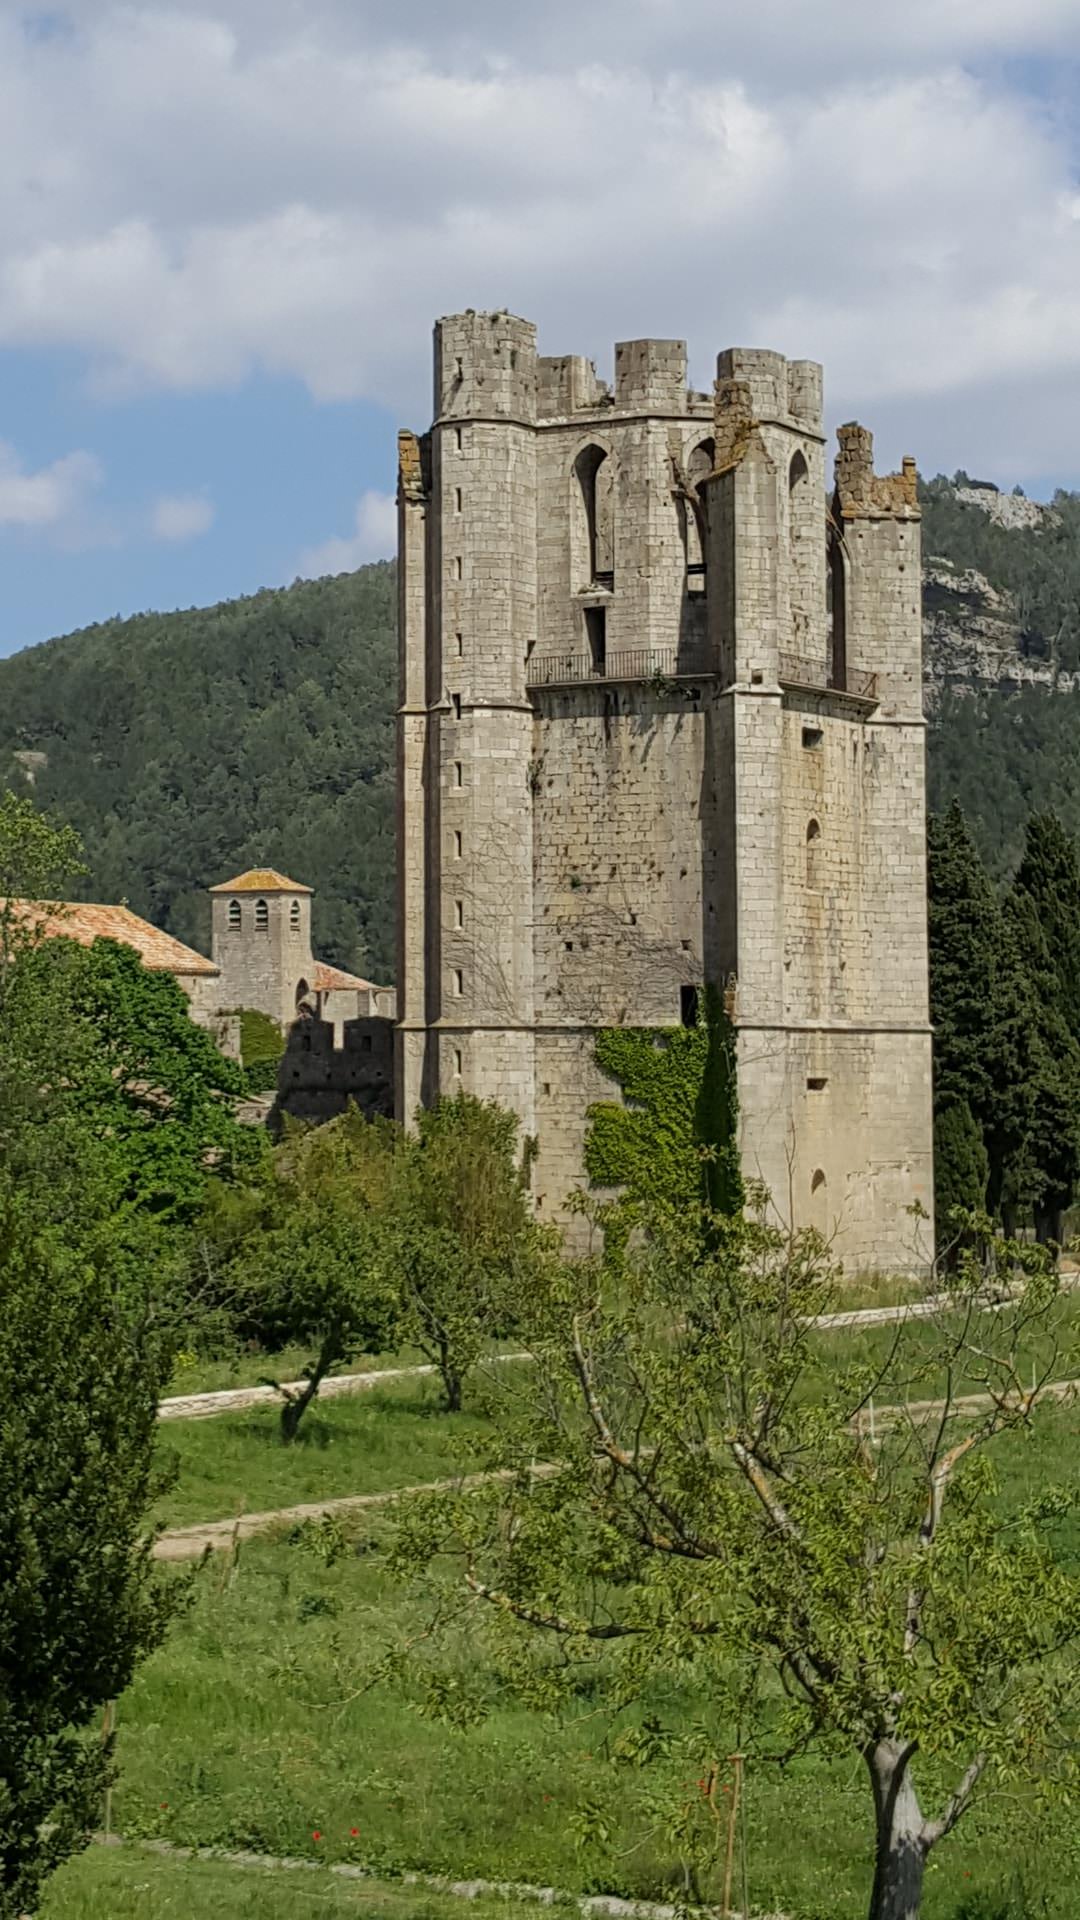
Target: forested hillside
<point>184,746</point>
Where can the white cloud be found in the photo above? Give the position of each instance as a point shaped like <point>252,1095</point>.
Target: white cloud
<point>200,189</point>
<point>374,537</point>
<point>181,516</point>
<point>52,499</point>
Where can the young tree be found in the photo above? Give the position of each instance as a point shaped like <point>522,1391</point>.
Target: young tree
<point>713,1500</point>
<point>296,1255</point>
<point>459,1234</point>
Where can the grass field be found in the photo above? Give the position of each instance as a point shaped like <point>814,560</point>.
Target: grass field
<point>253,1728</point>
<point>130,1884</point>
<point>391,1436</point>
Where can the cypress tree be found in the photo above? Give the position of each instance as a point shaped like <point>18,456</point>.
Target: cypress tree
<point>1049,878</point>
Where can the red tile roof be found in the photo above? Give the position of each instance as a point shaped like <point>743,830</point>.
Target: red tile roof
<point>326,979</point>
<point>261,880</point>
<point>80,920</point>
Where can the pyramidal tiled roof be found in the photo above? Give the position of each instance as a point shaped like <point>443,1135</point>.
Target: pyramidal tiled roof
<point>85,922</point>
<point>261,880</point>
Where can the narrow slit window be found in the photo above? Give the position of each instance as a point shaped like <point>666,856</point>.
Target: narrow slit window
<point>457,438</point>
<point>457,773</point>
<point>460,645</point>
<point>459,913</point>
<point>688,1006</point>
<point>457,1061</point>
<point>459,981</point>
<point>455,702</point>
<point>457,567</point>
<point>457,844</point>
<point>813,856</point>
<point>457,499</point>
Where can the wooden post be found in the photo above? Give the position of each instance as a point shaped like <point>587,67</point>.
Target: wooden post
<point>733,1815</point>
<point>108,1724</point>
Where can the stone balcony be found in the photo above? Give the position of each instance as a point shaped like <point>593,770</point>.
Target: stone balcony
<point>815,678</point>
<point>627,664</point>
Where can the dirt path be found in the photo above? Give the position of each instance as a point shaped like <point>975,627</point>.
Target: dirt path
<point>190,1543</point>
<point>205,1406</point>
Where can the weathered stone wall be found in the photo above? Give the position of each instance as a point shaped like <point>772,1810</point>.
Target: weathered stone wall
<point>317,1079</point>
<point>661,726</point>
<point>261,967</point>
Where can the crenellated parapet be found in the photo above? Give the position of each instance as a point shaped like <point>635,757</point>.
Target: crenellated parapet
<point>863,494</point>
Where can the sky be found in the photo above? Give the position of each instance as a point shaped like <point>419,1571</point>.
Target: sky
<point>226,227</point>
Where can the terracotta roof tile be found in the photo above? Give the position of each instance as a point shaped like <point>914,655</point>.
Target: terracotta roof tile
<point>261,880</point>
<point>326,979</point>
<point>82,921</point>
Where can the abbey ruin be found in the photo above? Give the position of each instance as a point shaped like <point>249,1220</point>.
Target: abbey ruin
<point>661,726</point>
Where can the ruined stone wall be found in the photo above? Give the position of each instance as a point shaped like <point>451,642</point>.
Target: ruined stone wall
<point>317,1079</point>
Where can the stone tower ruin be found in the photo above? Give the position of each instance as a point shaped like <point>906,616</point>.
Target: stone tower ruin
<point>661,726</point>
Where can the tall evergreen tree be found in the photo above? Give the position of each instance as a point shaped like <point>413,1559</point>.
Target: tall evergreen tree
<point>1049,877</point>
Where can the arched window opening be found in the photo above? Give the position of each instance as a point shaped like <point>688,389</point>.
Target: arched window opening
<point>813,856</point>
<point>294,915</point>
<point>802,549</point>
<point>698,468</point>
<point>262,916</point>
<point>595,479</point>
<point>817,1180</point>
<point>836,611</point>
<point>302,991</point>
<point>234,916</point>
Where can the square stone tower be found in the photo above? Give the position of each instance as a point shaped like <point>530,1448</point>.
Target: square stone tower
<point>661,725</point>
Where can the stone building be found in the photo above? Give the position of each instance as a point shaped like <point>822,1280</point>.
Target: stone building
<point>261,946</point>
<point>661,725</point>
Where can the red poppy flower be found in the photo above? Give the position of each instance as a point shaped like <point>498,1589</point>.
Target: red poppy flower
<point>355,1832</point>
<point>316,1835</point>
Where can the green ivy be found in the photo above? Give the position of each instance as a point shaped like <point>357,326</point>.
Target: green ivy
<point>674,1138</point>
<point>261,1048</point>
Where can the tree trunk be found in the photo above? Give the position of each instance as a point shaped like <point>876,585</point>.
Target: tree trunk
<point>901,1849</point>
<point>297,1404</point>
<point>451,1378</point>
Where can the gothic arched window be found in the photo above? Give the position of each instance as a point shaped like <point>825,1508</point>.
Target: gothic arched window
<point>262,916</point>
<point>294,914</point>
<point>813,856</point>
<point>235,916</point>
<point>595,478</point>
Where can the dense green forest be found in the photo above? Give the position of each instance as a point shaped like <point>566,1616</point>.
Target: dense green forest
<point>184,746</point>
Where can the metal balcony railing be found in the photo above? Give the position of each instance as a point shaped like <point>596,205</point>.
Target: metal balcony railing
<point>796,672</point>
<point>633,663</point>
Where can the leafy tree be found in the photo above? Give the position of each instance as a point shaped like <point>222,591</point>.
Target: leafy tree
<point>459,1234</point>
<point>307,1253</point>
<point>1039,1101</point>
<point>712,1504</point>
<point>85,1351</point>
<point>150,1081</point>
<point>261,1047</point>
